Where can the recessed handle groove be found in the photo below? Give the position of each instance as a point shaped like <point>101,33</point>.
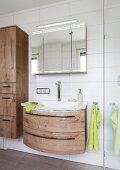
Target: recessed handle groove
<point>52,138</point>
<point>61,116</point>
<point>6,120</point>
<point>12,59</point>
<point>6,98</point>
<point>6,86</point>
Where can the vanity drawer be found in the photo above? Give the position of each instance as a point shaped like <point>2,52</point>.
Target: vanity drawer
<point>8,104</point>
<point>56,143</point>
<point>67,122</point>
<point>8,127</point>
<point>7,87</point>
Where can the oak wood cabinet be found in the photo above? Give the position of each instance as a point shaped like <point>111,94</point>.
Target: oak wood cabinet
<point>13,80</point>
<point>56,132</point>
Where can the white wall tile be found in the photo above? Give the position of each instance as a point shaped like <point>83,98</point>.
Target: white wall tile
<point>112,74</point>
<point>112,14</point>
<point>94,46</point>
<point>93,75</point>
<point>80,6</point>
<point>112,59</point>
<point>55,11</point>
<point>88,89</point>
<point>94,61</point>
<point>94,32</point>
<point>54,78</point>
<point>90,18</point>
<point>112,30</point>
<point>112,89</point>
<point>112,45</point>
<point>111,3</point>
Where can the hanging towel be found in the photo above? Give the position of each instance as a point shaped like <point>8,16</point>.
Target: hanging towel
<point>115,117</point>
<point>31,106</point>
<point>96,118</point>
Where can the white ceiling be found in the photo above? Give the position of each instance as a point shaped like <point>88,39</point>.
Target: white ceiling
<point>8,6</point>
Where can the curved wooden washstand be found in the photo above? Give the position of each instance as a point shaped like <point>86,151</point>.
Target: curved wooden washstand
<point>55,132</point>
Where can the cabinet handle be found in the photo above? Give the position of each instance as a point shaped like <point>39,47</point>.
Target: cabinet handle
<point>12,59</point>
<point>53,138</point>
<point>7,86</point>
<point>6,98</point>
<point>6,120</point>
<point>62,116</point>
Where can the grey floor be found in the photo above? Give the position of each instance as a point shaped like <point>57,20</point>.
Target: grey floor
<point>14,160</point>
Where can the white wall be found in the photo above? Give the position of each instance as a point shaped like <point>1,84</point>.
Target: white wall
<point>88,12</point>
<point>112,79</point>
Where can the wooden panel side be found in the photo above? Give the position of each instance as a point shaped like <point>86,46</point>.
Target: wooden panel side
<point>21,75</point>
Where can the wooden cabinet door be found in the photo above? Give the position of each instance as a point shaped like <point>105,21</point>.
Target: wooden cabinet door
<point>2,55</point>
<point>10,54</point>
<point>7,127</point>
<point>7,105</point>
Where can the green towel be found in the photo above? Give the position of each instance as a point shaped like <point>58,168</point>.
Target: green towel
<point>115,117</point>
<point>31,106</point>
<point>96,118</point>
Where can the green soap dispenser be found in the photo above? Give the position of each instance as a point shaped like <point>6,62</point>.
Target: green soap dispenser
<point>80,96</point>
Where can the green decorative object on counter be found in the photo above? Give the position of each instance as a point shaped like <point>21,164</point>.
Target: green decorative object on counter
<point>31,106</point>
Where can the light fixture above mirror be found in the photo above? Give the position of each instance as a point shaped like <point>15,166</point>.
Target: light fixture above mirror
<point>57,24</point>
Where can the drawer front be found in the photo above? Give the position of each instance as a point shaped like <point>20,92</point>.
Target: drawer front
<point>57,143</point>
<point>7,104</point>
<point>73,123</point>
<point>7,127</point>
<point>8,88</point>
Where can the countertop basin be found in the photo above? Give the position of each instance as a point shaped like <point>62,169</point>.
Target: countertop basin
<point>60,106</point>
<point>63,105</point>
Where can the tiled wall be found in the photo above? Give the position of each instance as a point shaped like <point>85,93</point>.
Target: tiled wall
<point>89,12</point>
<point>112,75</point>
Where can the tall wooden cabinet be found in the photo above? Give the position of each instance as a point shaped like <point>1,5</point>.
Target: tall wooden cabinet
<point>13,80</point>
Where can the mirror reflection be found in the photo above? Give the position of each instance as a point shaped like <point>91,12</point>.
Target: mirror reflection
<point>60,50</point>
<point>79,51</point>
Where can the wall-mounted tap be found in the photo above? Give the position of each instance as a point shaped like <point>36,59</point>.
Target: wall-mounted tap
<point>58,90</point>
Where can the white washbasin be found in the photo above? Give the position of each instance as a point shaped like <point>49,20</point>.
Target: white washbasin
<point>59,106</point>
<point>62,105</point>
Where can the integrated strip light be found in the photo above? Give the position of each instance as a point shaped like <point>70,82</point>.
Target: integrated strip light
<point>59,28</point>
<point>57,24</point>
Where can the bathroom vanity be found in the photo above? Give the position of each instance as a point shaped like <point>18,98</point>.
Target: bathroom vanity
<point>56,131</point>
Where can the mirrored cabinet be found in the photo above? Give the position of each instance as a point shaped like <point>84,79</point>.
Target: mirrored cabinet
<point>60,50</point>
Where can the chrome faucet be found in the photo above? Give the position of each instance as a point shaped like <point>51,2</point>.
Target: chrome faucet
<point>58,90</point>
